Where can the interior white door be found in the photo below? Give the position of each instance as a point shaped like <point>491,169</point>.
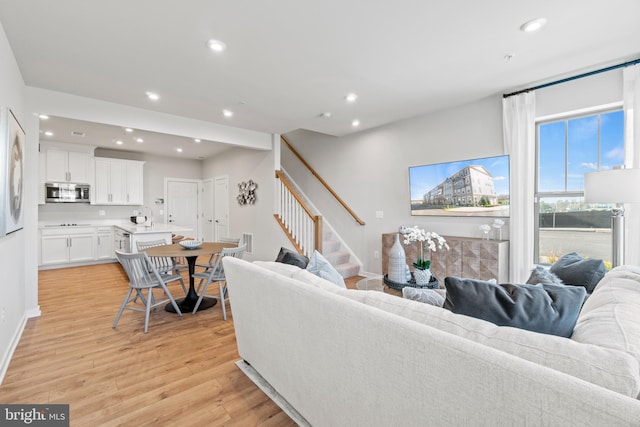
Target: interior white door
<point>221,209</point>
<point>208,232</point>
<point>182,205</point>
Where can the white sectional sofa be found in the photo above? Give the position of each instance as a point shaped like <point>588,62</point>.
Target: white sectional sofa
<point>360,358</point>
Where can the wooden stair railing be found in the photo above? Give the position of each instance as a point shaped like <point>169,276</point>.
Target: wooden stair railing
<point>302,227</point>
<point>322,181</point>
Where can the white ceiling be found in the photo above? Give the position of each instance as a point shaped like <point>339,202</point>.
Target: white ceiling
<point>289,61</point>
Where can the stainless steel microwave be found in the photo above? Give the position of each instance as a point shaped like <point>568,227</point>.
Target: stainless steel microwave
<point>66,193</point>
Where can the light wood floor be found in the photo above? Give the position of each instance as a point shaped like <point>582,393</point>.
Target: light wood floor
<point>181,373</point>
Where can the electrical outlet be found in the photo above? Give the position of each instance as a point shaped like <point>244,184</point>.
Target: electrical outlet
<point>379,214</point>
<point>161,212</point>
<point>102,212</point>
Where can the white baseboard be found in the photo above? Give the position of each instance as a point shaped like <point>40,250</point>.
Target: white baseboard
<point>6,357</point>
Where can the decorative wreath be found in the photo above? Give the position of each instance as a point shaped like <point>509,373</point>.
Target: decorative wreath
<point>247,192</point>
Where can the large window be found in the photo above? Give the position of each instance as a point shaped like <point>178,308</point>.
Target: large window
<point>566,150</point>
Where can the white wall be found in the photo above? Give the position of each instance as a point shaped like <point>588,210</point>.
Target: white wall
<point>13,257</point>
<point>241,164</point>
<point>370,171</point>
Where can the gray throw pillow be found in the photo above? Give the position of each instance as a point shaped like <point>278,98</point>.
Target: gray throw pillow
<point>287,256</point>
<point>548,309</point>
<point>319,266</point>
<point>427,296</point>
<point>575,270</point>
<point>543,276</point>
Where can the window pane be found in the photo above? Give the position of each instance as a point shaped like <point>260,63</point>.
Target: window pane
<point>567,225</point>
<point>611,140</point>
<point>582,141</point>
<point>551,155</point>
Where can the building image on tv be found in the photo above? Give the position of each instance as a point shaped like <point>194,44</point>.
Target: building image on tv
<point>471,186</point>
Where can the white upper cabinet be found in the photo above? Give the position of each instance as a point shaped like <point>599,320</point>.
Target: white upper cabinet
<point>118,182</point>
<point>67,162</point>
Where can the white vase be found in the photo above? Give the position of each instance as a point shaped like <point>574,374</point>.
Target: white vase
<point>397,262</point>
<point>422,276</point>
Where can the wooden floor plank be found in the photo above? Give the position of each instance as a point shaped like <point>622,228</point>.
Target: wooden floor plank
<point>182,372</point>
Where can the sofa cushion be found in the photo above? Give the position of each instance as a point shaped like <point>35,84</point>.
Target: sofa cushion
<point>297,273</point>
<point>549,309</point>
<point>543,276</point>
<point>612,369</point>
<point>610,318</point>
<point>319,266</point>
<point>287,256</point>
<point>572,269</point>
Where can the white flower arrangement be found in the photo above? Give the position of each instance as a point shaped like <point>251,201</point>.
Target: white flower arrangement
<point>433,241</point>
<point>497,223</point>
<point>485,228</point>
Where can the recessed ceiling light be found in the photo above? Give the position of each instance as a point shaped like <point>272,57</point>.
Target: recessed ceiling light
<point>179,150</point>
<point>355,123</point>
<point>48,133</point>
<point>227,113</point>
<point>139,140</point>
<point>128,130</point>
<point>533,25</point>
<point>43,116</point>
<point>197,140</point>
<point>153,96</point>
<point>119,142</point>
<point>216,45</point>
<point>351,97</point>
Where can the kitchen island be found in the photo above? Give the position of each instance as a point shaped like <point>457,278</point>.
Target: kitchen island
<point>144,233</point>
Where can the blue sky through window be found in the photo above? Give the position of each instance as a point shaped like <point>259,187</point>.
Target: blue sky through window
<point>568,149</point>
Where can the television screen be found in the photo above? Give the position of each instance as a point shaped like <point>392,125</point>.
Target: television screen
<point>476,187</point>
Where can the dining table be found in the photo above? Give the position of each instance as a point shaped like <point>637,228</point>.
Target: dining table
<point>187,303</point>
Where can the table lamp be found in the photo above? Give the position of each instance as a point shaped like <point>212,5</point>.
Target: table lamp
<point>614,186</point>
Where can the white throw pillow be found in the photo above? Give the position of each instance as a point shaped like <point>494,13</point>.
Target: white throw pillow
<point>319,266</point>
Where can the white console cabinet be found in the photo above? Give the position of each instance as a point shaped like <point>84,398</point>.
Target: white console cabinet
<point>118,182</point>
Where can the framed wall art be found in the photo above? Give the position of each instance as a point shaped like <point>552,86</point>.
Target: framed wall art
<point>474,187</point>
<point>13,164</point>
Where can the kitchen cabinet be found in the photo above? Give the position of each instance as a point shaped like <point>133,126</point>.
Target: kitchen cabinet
<point>64,245</point>
<point>67,162</point>
<point>105,243</point>
<point>118,182</point>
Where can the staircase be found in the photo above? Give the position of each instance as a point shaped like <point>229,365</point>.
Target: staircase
<point>338,255</point>
<point>304,228</point>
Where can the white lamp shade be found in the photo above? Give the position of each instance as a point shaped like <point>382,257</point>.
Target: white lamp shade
<point>612,186</point>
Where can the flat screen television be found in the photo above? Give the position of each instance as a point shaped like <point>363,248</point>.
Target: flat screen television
<point>475,187</point>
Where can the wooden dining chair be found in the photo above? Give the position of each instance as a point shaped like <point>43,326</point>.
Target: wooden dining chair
<point>143,275</point>
<point>212,259</point>
<point>164,265</point>
<point>216,274</point>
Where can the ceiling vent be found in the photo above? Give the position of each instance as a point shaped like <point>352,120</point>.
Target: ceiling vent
<point>77,133</point>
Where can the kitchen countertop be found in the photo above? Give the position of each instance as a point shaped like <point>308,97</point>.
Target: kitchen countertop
<point>155,228</point>
<point>124,225</point>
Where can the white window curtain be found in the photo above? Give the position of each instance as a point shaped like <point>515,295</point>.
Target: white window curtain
<point>519,130</point>
<point>631,97</point>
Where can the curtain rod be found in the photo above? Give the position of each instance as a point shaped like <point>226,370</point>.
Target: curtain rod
<point>579,76</point>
